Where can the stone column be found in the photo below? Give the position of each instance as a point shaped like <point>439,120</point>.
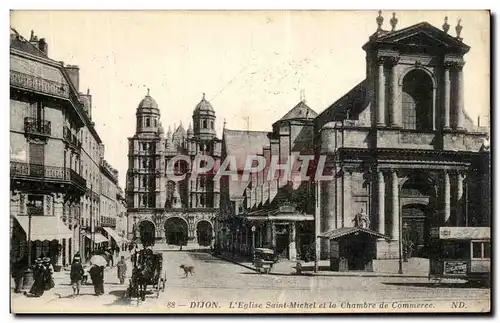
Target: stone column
<point>446,109</point>
<point>395,206</point>
<point>381,93</point>
<point>446,196</point>
<point>459,220</point>
<point>459,106</point>
<point>395,112</point>
<point>292,245</point>
<point>381,201</point>
<point>273,235</point>
<point>269,233</point>
<point>347,205</point>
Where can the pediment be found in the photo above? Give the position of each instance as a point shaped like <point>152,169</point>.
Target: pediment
<point>419,39</point>
<point>420,35</point>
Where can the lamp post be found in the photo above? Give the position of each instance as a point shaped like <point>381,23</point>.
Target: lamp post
<point>253,237</point>
<point>28,273</point>
<point>400,271</point>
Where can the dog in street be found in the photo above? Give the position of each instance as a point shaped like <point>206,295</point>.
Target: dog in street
<point>187,270</point>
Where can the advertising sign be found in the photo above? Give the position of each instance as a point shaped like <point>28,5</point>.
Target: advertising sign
<point>455,267</point>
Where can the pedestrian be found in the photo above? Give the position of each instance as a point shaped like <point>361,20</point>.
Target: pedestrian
<point>111,257</point>
<point>117,251</point>
<point>76,275</point>
<point>49,271</point>
<point>39,273</point>
<point>121,267</point>
<point>77,257</point>
<point>18,269</point>
<point>97,275</point>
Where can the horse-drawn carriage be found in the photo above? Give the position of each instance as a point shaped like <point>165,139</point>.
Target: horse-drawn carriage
<point>147,271</point>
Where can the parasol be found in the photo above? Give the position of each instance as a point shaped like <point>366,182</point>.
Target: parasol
<point>98,260</point>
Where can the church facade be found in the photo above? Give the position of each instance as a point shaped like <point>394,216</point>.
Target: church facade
<point>403,153</point>
<point>158,207</point>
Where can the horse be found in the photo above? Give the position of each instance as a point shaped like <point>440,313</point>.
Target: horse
<point>143,274</point>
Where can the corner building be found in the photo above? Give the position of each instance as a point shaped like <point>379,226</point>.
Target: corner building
<point>158,208</point>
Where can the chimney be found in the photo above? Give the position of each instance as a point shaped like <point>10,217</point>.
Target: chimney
<point>43,46</point>
<point>74,75</point>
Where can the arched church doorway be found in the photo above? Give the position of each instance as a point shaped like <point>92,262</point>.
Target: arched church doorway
<point>176,231</point>
<point>417,99</point>
<point>418,198</point>
<point>204,233</point>
<point>147,233</point>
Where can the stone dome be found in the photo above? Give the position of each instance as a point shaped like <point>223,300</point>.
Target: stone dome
<point>204,107</point>
<point>148,104</point>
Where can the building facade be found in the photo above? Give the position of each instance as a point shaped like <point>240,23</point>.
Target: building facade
<point>262,208</point>
<point>159,208</point>
<point>46,183</point>
<point>403,153</point>
<point>56,157</point>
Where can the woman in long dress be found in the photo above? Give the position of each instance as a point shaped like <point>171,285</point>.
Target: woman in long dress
<point>39,275</point>
<point>97,275</point>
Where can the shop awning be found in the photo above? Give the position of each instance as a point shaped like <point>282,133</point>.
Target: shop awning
<point>44,227</point>
<point>341,232</point>
<point>113,234</point>
<point>97,237</point>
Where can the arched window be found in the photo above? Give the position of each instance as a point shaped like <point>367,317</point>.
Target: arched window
<point>417,101</point>
<point>154,122</point>
<point>148,122</point>
<point>204,124</point>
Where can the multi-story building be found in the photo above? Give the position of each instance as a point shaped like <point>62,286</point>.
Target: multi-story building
<point>403,154</point>
<point>46,116</point>
<point>56,157</point>
<point>264,203</point>
<point>179,212</point>
<point>109,215</point>
<point>121,220</point>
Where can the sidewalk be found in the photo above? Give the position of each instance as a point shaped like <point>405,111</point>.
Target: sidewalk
<point>288,268</point>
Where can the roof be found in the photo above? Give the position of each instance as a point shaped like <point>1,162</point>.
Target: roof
<point>204,106</point>
<point>421,34</point>
<point>19,42</point>
<point>242,143</point>
<point>348,106</point>
<point>300,111</point>
<point>147,103</point>
<point>342,232</point>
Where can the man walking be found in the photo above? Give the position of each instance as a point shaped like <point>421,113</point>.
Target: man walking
<point>76,275</point>
<point>121,267</point>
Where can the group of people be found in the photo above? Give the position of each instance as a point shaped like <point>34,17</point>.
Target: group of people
<point>96,273</point>
<point>43,277</point>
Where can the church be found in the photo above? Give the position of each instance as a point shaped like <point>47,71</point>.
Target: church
<point>159,209</point>
<point>404,155</point>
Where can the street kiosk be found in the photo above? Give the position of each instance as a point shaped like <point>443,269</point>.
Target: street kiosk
<point>460,252</point>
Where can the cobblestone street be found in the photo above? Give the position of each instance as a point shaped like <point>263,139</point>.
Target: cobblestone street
<point>221,286</point>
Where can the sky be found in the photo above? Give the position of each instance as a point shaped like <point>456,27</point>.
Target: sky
<point>251,65</point>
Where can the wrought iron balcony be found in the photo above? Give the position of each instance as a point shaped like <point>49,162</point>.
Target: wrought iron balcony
<point>37,126</point>
<point>71,139</point>
<point>37,172</point>
<point>48,87</point>
<point>39,84</point>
